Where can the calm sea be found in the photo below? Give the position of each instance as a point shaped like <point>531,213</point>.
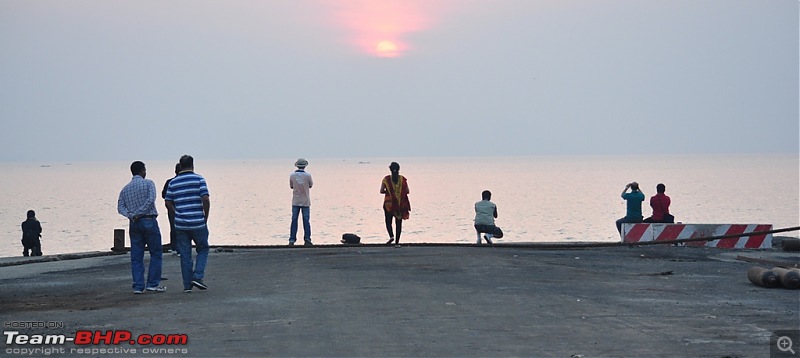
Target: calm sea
<point>539,199</point>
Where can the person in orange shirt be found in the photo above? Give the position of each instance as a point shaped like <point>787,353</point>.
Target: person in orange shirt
<point>395,202</point>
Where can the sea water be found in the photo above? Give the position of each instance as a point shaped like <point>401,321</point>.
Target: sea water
<point>539,199</point>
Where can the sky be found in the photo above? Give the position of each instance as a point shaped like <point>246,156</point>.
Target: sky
<point>96,80</point>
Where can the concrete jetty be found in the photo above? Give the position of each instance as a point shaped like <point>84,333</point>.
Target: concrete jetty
<point>420,301</point>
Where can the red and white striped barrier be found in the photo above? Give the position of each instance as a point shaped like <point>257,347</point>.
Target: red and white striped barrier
<point>665,232</point>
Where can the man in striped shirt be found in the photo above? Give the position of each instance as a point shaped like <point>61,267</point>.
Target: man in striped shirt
<point>137,202</point>
<point>188,202</point>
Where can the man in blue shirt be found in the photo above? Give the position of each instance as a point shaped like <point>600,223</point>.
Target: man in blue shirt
<point>187,200</point>
<point>634,201</point>
<point>137,202</point>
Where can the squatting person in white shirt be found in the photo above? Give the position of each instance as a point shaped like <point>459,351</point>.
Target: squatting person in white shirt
<point>485,213</point>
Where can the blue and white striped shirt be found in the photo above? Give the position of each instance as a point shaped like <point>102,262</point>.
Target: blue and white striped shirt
<point>185,191</point>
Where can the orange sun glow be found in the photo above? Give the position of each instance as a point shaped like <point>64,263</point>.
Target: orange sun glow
<point>379,28</point>
<point>386,49</point>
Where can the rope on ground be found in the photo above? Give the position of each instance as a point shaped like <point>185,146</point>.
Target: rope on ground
<point>532,245</point>
<point>540,246</point>
<point>756,260</point>
<point>712,238</point>
<point>59,257</point>
<point>583,245</point>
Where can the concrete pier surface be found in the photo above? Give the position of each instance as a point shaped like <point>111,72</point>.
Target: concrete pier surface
<point>413,301</point>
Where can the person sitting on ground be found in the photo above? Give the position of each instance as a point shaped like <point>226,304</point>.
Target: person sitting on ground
<point>634,201</point>
<point>660,204</point>
<point>485,213</point>
<point>31,232</point>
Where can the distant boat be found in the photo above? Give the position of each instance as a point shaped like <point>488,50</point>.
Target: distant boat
<point>45,165</point>
<point>363,162</point>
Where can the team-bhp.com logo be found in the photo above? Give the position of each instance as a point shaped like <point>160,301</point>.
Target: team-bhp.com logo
<point>96,338</point>
<point>121,337</point>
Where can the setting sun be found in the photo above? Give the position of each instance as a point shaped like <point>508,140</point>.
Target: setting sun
<point>381,28</point>
<point>386,49</point>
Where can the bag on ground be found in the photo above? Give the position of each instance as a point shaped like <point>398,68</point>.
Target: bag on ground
<point>349,238</point>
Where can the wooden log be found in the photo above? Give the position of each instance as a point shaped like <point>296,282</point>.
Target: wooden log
<point>790,244</point>
<point>788,278</point>
<point>756,260</point>
<point>760,276</point>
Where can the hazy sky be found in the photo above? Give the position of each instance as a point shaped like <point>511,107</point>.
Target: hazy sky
<point>114,80</point>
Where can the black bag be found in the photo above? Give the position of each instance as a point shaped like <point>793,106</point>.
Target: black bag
<point>351,239</point>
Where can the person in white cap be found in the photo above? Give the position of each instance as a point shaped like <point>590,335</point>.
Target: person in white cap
<point>300,182</point>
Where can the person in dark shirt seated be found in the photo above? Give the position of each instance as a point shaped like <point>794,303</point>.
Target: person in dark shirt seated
<point>660,204</point>
<point>31,232</point>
